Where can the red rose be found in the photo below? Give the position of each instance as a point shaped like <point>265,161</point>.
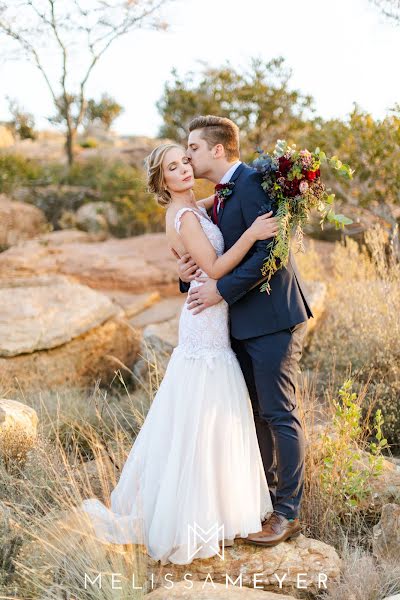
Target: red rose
<point>311,175</point>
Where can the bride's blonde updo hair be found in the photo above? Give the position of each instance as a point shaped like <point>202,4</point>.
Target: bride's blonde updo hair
<point>155,173</point>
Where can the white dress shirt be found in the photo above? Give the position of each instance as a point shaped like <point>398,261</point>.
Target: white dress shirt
<point>227,177</point>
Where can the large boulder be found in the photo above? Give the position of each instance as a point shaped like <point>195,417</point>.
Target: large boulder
<point>137,264</point>
<point>94,355</point>
<point>19,221</point>
<point>47,311</point>
<point>301,564</point>
<point>133,304</point>
<point>164,311</point>
<point>96,216</point>
<point>211,591</point>
<point>18,428</point>
<point>386,486</point>
<point>386,534</point>
<point>69,236</point>
<point>55,332</point>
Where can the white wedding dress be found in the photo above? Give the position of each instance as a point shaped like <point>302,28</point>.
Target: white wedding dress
<point>196,461</point>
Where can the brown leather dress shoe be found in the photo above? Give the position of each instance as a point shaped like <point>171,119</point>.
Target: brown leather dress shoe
<point>276,529</point>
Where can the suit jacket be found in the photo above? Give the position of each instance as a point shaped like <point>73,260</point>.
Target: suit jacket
<point>254,313</point>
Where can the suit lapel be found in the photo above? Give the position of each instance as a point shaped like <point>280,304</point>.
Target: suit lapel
<point>229,199</point>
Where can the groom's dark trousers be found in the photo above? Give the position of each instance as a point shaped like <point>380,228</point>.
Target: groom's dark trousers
<point>267,332</point>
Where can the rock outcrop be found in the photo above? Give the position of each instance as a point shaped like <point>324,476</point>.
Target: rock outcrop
<point>96,216</point>
<point>215,591</point>
<point>39,313</point>
<point>301,564</point>
<point>386,534</point>
<point>19,221</point>
<point>139,264</point>
<point>18,428</point>
<point>55,332</point>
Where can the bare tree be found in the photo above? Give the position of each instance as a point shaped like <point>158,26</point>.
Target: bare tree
<point>390,8</point>
<point>60,29</point>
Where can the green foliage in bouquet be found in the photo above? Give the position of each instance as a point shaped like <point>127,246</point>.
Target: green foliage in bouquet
<point>292,180</point>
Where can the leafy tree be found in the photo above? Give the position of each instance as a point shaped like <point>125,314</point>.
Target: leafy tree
<point>105,111</point>
<point>40,28</point>
<point>372,148</point>
<point>259,100</point>
<point>23,123</point>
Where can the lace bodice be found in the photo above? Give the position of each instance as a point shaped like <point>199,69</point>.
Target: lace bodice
<point>211,230</point>
<point>206,334</point>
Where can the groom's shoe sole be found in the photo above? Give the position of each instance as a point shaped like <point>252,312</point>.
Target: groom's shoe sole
<point>227,543</point>
<point>271,544</point>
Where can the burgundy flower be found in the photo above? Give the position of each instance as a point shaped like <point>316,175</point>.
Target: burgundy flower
<point>293,187</point>
<point>285,165</point>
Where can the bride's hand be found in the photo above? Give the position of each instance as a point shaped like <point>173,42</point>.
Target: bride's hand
<point>263,228</point>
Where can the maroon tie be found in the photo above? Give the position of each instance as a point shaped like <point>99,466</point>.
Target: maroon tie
<point>214,210</point>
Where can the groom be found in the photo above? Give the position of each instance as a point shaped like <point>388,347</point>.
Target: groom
<point>267,331</point>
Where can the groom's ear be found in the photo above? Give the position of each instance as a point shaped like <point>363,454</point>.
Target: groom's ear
<point>218,151</point>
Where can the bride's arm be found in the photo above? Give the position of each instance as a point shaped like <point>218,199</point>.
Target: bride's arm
<point>202,252</point>
<point>206,202</point>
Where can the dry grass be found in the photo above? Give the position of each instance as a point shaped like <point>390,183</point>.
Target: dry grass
<point>363,578</point>
<point>361,331</point>
<point>46,544</point>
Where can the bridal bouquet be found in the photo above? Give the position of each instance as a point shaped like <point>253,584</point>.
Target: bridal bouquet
<point>292,179</point>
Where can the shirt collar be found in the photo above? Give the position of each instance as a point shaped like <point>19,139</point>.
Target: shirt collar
<point>230,172</point>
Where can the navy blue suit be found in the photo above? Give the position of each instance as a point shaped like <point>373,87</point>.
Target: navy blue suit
<point>267,332</point>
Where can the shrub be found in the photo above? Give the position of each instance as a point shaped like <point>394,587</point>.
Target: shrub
<point>57,189</point>
<point>16,171</point>
<point>342,463</point>
<point>122,185</point>
<point>361,332</point>
<point>89,143</point>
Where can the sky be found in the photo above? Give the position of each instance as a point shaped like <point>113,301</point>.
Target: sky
<point>340,52</point>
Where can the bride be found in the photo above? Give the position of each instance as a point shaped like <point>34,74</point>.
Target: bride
<point>196,464</point>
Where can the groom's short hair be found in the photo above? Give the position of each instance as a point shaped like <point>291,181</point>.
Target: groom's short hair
<point>218,130</point>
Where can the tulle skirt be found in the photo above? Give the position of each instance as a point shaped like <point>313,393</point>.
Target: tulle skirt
<point>194,475</point>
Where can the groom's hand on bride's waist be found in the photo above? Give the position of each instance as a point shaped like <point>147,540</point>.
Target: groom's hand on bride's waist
<point>204,295</point>
<point>187,268</point>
